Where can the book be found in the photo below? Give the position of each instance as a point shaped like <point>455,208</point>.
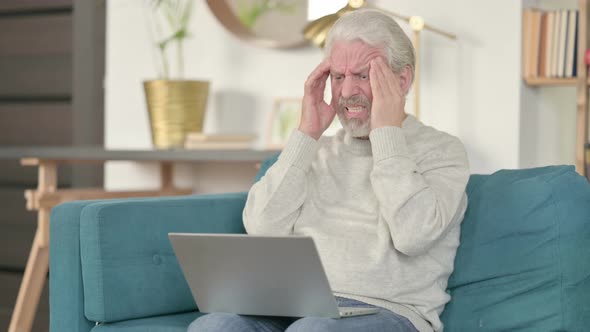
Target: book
<point>575,68</point>
<point>219,141</point>
<point>526,42</point>
<point>549,44</point>
<point>563,21</point>
<point>555,44</point>
<point>542,62</point>
<point>572,36</point>
<point>535,43</point>
<point>201,137</point>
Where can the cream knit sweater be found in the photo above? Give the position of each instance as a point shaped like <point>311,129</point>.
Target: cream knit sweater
<point>384,213</point>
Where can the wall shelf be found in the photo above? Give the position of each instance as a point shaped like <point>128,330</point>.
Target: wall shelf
<point>581,83</point>
<point>543,81</point>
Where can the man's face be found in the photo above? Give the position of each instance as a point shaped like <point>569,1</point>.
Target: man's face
<point>351,90</point>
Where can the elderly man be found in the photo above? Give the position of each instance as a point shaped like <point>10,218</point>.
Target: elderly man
<point>383,199</point>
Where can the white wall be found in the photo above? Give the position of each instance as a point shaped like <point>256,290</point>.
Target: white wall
<point>470,87</point>
<point>548,131</point>
<point>244,82</point>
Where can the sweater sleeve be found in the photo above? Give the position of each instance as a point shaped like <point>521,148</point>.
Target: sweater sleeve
<point>419,203</point>
<point>274,203</point>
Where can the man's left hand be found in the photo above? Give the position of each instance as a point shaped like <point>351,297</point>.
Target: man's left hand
<point>387,108</point>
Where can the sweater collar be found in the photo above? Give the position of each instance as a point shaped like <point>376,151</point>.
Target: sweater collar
<point>355,145</point>
<point>363,146</point>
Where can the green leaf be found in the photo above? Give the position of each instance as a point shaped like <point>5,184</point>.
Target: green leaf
<point>187,13</point>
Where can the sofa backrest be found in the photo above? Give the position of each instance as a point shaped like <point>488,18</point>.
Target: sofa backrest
<point>129,269</point>
<point>524,258</point>
<point>265,166</point>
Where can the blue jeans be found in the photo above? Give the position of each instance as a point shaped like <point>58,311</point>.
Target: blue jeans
<point>383,321</point>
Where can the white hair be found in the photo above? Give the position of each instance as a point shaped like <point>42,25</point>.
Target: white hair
<point>376,29</point>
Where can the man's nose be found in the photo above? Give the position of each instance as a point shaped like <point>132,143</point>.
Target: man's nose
<point>349,87</point>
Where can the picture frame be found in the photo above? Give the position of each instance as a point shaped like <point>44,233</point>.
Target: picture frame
<point>283,119</point>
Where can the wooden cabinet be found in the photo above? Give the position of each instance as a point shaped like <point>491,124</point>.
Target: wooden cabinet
<point>44,101</point>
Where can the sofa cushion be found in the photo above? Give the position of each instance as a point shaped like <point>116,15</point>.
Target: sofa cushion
<point>524,258</point>
<point>128,265</point>
<point>168,323</point>
<point>266,164</point>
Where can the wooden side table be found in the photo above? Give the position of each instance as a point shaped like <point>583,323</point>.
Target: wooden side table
<point>47,195</point>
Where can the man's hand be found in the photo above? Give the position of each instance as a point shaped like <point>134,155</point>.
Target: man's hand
<point>388,99</point>
<point>316,115</point>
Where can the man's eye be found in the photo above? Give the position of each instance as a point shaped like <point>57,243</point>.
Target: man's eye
<point>338,77</point>
<point>364,77</point>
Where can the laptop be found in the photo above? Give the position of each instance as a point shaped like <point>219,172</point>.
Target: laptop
<point>257,275</point>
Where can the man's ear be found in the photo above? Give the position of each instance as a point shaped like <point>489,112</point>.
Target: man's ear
<point>405,79</point>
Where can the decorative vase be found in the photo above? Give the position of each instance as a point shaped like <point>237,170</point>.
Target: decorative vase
<point>175,107</point>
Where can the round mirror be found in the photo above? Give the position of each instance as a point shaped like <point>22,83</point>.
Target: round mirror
<point>267,23</point>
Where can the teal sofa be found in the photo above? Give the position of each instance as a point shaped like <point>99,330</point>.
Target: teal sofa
<point>523,263</point>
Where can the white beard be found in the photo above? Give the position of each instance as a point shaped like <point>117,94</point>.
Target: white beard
<point>355,127</point>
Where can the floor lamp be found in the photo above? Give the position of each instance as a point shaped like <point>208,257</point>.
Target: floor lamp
<point>317,31</point>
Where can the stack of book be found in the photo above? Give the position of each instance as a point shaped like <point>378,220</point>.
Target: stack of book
<point>218,141</point>
<point>549,43</point>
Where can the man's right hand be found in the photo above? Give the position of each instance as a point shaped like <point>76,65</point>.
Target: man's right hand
<point>316,115</point>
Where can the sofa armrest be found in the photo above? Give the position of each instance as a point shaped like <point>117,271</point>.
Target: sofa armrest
<point>121,260</point>
<point>66,294</point>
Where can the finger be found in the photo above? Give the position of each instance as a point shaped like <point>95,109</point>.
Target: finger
<point>316,84</point>
<point>318,77</point>
<point>392,79</point>
<point>375,79</point>
<point>322,68</point>
<point>329,110</point>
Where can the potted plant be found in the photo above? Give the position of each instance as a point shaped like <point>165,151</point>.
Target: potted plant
<point>176,106</point>
<point>249,11</point>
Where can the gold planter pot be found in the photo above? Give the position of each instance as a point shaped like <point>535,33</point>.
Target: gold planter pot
<point>175,108</point>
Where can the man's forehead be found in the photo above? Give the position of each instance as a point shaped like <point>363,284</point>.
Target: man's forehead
<point>354,46</point>
<point>354,56</point>
<point>341,65</point>
<point>355,69</point>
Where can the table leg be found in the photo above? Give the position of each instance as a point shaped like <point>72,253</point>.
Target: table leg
<point>35,275</point>
<point>166,176</point>
<point>33,281</point>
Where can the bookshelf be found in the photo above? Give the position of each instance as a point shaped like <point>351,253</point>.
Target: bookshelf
<point>580,81</point>
<point>546,81</point>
